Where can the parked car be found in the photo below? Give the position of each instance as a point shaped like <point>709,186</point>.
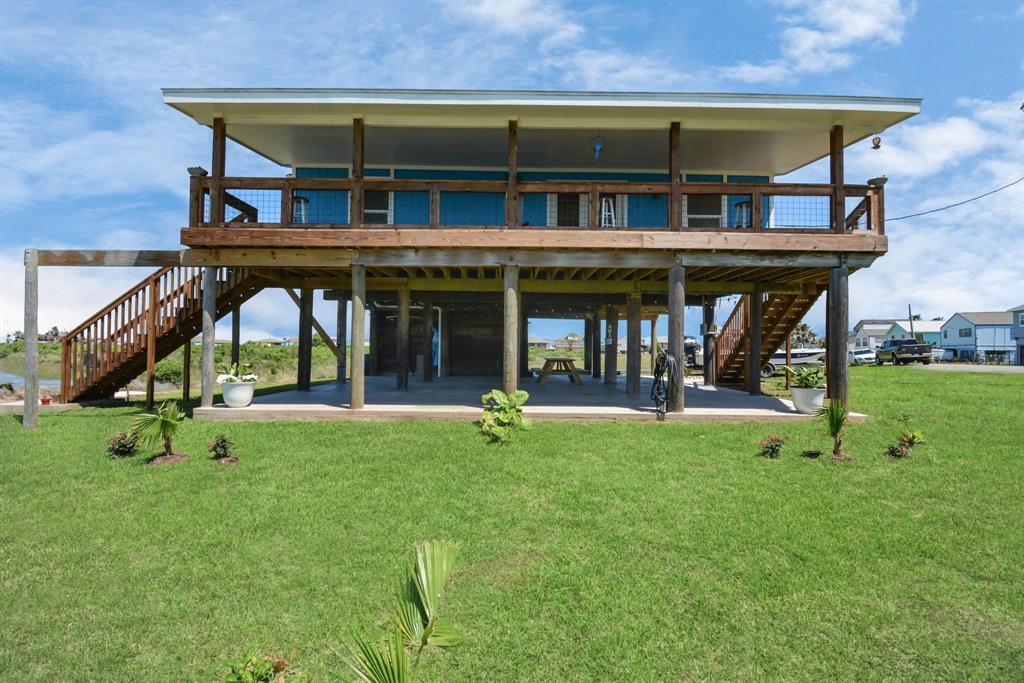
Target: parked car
<point>861,357</point>
<point>799,357</point>
<point>901,351</point>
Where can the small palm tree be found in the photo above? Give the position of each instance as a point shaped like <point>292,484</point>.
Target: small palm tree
<point>158,426</point>
<point>835,416</point>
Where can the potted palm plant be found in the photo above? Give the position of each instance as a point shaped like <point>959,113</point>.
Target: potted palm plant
<point>237,387</point>
<point>807,388</point>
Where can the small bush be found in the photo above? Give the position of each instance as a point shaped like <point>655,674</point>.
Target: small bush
<point>902,448</point>
<point>913,438</point>
<point>772,446</point>
<point>169,371</point>
<point>123,445</point>
<point>503,414</point>
<point>222,447</point>
<point>260,669</point>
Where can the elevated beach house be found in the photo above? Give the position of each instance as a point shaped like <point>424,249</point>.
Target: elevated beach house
<point>461,214</point>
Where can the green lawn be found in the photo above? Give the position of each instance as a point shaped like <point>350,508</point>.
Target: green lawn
<point>634,552</point>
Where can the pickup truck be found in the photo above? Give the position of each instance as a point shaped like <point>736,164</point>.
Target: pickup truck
<point>901,351</point>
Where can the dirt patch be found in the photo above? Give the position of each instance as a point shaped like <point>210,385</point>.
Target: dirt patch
<point>167,459</point>
<point>230,460</point>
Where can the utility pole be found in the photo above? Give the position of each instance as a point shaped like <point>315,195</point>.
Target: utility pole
<point>910,317</point>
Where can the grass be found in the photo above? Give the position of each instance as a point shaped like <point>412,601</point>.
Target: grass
<point>632,552</point>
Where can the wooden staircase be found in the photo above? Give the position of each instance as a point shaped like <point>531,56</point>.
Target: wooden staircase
<point>780,314</point>
<point>163,312</point>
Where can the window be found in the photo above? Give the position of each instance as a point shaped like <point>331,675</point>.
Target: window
<point>568,210</point>
<point>376,207</point>
<point>1020,318</point>
<point>704,210</point>
<point>945,334</point>
<point>965,332</point>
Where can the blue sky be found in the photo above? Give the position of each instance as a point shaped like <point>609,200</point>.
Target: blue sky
<point>90,158</point>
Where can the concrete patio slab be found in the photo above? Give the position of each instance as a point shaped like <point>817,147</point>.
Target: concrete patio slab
<point>458,398</point>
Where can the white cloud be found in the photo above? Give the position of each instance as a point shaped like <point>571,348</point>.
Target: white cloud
<point>823,36</point>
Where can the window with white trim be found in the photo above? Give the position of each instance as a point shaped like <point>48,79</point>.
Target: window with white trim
<point>965,332</point>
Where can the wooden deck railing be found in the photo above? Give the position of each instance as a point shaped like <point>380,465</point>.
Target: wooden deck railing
<point>732,335</point>
<point>754,207</point>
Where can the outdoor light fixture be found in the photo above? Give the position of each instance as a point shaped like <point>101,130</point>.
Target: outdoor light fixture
<point>876,142</point>
<point>197,172</point>
<point>879,181</point>
<point>598,145</point>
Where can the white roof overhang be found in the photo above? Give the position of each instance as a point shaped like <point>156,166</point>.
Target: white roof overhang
<point>770,134</point>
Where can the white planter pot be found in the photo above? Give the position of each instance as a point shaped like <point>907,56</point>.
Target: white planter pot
<point>237,394</point>
<point>808,401</point>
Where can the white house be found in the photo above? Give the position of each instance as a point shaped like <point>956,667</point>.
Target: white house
<point>868,334</point>
<point>988,334</point>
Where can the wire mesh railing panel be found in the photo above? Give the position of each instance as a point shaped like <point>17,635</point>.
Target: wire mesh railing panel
<point>798,211</point>
<point>323,207</point>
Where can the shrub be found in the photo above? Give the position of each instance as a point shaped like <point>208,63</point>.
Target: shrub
<point>221,447</point>
<point>913,438</point>
<point>772,446</point>
<point>123,445</point>
<point>898,450</point>
<point>503,414</point>
<point>260,669</point>
<point>169,371</point>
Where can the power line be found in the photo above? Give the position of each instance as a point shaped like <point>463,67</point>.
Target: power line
<point>966,201</point>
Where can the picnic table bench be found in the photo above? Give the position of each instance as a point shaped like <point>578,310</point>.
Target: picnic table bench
<point>559,365</point>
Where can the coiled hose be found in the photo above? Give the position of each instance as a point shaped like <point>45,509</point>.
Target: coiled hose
<point>663,390</point>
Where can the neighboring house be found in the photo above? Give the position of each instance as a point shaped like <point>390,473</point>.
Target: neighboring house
<point>869,334</point>
<point>1018,332</point>
<point>614,206</point>
<point>971,335</point>
<point>267,342</point>
<point>927,331</point>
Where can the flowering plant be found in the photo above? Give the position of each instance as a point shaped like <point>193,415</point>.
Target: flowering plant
<point>772,446</point>
<point>903,447</point>
<point>233,373</point>
<point>123,445</point>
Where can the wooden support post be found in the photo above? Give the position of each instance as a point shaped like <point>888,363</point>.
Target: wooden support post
<point>30,416</point>
<point>341,323</point>
<point>828,337</point>
<point>524,342</point>
<point>593,208</point>
<point>512,190</point>
<point>373,364</point>
<point>836,178</point>
<point>236,328</point>
<point>789,358</point>
<point>428,339</point>
<point>207,371</point>
<point>326,338</point>
<point>611,346</point>
<point>355,219</point>
<point>654,342</point>
<point>675,204</point>
<point>402,345</point>
<point>839,320</point>
<point>186,372</point>
<point>217,171</point>
<point>756,310</point>
<point>510,381</point>
<point>435,206</point>
<point>596,347</point>
<point>357,390</point>
<point>588,343</point>
<point>633,344</point>
<point>304,375</point>
<point>676,336</point>
<point>151,320</point>
<point>710,351</point>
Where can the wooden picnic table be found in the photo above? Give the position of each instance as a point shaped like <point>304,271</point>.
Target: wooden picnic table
<point>559,365</point>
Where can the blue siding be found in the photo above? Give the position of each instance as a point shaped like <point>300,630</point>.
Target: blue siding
<point>457,208</point>
<point>325,206</point>
<point>645,211</point>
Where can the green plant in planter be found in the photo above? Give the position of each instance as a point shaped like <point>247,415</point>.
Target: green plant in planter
<point>835,416</point>
<point>158,426</point>
<point>503,414</point>
<point>806,377</point>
